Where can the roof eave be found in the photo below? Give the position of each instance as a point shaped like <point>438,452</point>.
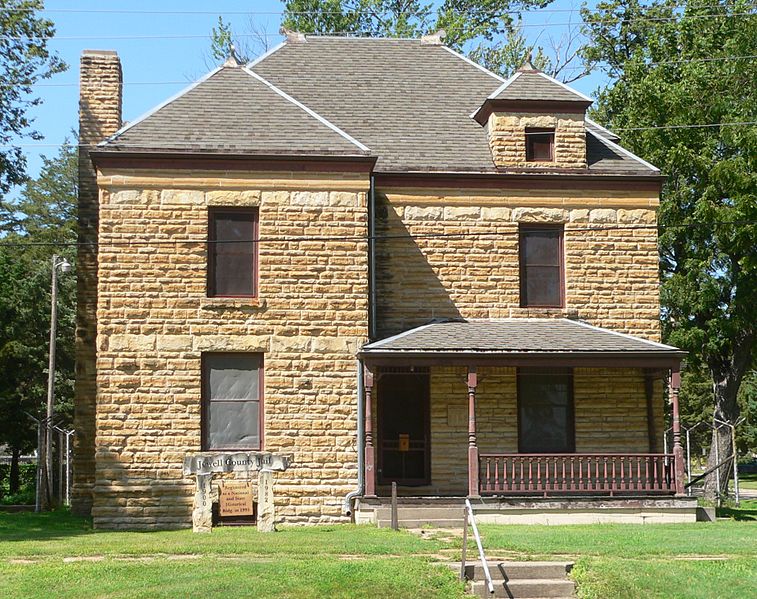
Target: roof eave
<point>164,159</point>
<point>618,359</point>
<point>506,105</point>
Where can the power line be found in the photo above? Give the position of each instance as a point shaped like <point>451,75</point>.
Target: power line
<point>742,123</point>
<point>349,33</point>
<point>279,13</point>
<point>359,238</point>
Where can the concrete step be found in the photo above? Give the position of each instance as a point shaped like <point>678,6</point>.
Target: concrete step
<point>518,570</point>
<point>420,523</point>
<point>526,589</point>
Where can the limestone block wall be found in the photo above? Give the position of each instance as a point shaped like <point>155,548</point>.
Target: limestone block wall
<point>609,410</point>
<point>155,321</point>
<point>507,138</point>
<point>611,268</point>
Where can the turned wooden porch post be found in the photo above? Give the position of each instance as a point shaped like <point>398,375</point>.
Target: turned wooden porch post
<point>675,385</point>
<point>473,488</point>
<point>370,456</point>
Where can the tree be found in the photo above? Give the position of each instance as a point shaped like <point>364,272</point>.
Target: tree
<point>672,65</point>
<point>24,60</point>
<point>44,213</point>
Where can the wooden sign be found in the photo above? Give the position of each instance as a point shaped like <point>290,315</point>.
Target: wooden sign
<point>235,498</point>
<point>404,442</point>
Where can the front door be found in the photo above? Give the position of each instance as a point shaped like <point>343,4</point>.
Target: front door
<point>404,428</point>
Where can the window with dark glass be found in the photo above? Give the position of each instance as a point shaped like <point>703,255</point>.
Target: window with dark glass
<point>545,411</point>
<point>232,253</point>
<point>541,266</point>
<point>232,385</point>
<point>540,145</point>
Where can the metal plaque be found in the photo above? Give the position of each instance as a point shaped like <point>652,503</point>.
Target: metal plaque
<point>235,498</point>
<point>404,442</point>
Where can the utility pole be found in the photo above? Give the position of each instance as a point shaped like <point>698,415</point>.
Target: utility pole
<point>63,264</point>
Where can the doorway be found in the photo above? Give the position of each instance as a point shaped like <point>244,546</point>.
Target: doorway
<point>404,428</point>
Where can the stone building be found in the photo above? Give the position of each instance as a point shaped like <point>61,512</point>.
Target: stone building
<point>383,260</point>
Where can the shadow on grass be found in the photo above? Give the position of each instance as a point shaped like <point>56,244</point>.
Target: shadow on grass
<point>30,526</point>
<point>746,512</point>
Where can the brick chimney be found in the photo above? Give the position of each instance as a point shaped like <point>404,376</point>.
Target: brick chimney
<point>99,117</point>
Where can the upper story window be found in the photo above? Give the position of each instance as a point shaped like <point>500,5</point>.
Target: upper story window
<point>540,145</point>
<point>542,279</point>
<point>232,252</point>
<point>232,386</point>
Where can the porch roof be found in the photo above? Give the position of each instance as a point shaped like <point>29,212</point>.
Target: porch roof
<point>522,340</point>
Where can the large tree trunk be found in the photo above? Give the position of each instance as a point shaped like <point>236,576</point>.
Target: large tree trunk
<point>726,380</point>
<point>15,473</point>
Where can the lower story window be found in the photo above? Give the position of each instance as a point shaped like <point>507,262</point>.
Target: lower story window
<point>232,386</point>
<point>545,411</point>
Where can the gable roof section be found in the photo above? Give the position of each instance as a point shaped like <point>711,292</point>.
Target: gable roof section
<point>234,111</point>
<point>517,335</point>
<point>537,86</point>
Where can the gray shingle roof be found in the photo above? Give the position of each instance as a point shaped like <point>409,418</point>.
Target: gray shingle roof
<point>409,102</point>
<point>533,85</point>
<point>517,335</point>
<point>233,111</point>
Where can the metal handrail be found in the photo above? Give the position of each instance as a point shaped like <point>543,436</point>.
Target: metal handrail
<point>469,518</point>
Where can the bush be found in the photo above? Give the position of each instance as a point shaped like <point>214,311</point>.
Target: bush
<point>27,476</point>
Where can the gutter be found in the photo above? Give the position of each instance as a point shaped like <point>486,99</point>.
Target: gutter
<point>347,501</point>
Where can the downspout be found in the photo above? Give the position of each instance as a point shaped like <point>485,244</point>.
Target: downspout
<point>372,259</point>
<point>347,502</point>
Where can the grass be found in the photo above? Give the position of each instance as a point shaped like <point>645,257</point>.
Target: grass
<point>706,559</point>
<point>43,555</point>
<point>748,481</point>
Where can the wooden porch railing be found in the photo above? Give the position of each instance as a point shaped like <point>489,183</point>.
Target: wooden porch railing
<point>572,473</point>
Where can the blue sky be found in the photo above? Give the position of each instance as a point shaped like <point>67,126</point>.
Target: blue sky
<point>157,67</point>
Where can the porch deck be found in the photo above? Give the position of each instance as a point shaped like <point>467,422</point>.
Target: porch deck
<point>447,512</point>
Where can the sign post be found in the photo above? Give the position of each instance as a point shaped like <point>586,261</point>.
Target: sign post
<point>233,497</point>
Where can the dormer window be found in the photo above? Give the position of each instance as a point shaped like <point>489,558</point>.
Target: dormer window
<point>540,145</point>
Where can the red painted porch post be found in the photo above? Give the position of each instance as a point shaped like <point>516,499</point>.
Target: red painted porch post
<point>675,385</point>
<point>473,486</point>
<point>370,456</point>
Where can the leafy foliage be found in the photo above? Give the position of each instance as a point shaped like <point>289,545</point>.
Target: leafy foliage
<point>671,66</point>
<point>45,213</point>
<point>24,60</point>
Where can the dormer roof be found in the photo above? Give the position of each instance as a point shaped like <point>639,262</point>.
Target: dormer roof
<point>529,88</point>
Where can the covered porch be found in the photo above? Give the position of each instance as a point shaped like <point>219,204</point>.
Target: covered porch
<point>520,408</point>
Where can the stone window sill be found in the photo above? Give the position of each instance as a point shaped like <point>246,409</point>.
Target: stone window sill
<point>219,303</point>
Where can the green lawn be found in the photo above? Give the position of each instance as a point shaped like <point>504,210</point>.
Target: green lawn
<point>747,481</point>
<point>59,555</point>
<point>706,559</point>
